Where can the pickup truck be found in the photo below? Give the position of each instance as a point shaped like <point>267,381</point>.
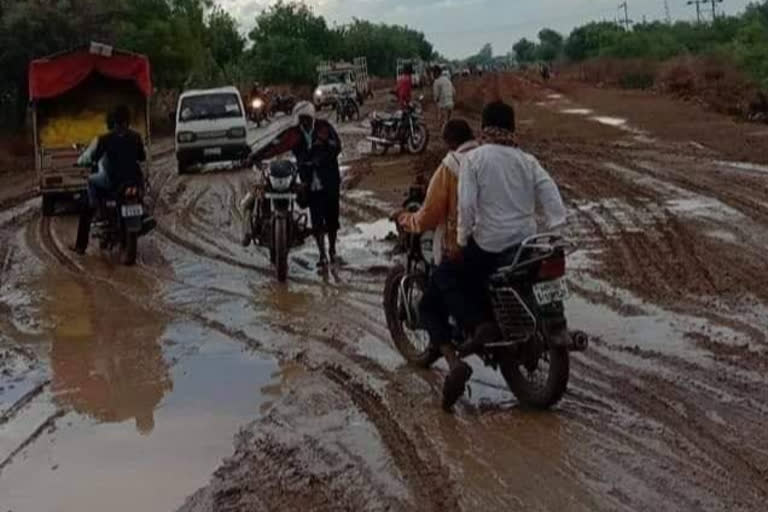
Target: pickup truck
<point>71,93</point>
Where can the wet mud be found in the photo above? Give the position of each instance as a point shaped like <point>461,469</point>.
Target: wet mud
<point>195,382</point>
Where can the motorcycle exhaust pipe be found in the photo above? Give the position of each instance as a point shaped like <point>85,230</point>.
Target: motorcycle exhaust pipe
<point>379,140</point>
<point>579,341</point>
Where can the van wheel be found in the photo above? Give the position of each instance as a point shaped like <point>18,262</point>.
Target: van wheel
<point>49,204</point>
<point>182,166</point>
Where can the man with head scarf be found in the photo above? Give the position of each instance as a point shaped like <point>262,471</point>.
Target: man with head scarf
<point>316,147</point>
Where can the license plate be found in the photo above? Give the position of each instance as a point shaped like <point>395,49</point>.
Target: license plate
<point>550,291</point>
<point>132,210</point>
<point>212,151</point>
<point>274,195</point>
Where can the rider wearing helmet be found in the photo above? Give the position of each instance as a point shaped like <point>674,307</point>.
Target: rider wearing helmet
<point>316,147</point>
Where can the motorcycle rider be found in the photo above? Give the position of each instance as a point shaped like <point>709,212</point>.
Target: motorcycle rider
<point>316,146</point>
<point>499,188</point>
<point>123,150</point>
<point>404,88</point>
<point>439,212</point>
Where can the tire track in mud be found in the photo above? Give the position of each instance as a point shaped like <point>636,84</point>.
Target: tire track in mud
<point>16,407</point>
<point>48,425</point>
<point>429,480</point>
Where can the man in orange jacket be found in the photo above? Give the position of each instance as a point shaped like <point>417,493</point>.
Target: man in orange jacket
<point>440,213</point>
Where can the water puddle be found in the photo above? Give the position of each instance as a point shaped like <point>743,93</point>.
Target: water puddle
<point>745,166</point>
<point>554,96</point>
<point>143,406</point>
<point>577,111</point>
<point>616,122</point>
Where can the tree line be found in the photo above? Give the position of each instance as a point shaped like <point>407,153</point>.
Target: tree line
<point>740,39</point>
<point>192,43</point>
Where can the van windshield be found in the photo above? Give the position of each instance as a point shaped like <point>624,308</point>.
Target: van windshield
<point>209,106</point>
<point>334,78</point>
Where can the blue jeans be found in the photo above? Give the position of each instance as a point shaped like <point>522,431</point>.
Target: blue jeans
<point>99,187</point>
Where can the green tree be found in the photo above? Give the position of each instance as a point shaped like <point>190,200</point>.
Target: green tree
<point>550,45</point>
<point>525,51</point>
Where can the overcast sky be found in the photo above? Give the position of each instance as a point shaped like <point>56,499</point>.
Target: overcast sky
<point>459,28</point>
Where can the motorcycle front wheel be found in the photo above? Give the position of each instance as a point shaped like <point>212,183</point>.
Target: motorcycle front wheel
<point>413,345</point>
<point>418,139</point>
<point>539,382</point>
<point>280,247</point>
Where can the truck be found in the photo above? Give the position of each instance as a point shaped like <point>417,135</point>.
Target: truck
<point>71,93</point>
<point>419,70</point>
<point>336,78</point>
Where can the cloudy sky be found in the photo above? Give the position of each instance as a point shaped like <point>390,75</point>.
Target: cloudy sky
<point>459,28</point>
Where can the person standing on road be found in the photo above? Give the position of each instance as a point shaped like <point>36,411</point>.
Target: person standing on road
<point>404,89</point>
<point>439,212</point>
<point>444,94</point>
<point>316,146</point>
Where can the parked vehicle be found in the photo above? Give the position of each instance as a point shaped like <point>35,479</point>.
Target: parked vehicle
<point>527,298</point>
<point>336,78</point>
<point>71,95</point>
<point>210,127</point>
<point>347,108</point>
<point>276,222</point>
<point>405,128</point>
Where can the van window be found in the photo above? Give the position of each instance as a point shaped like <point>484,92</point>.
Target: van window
<point>210,106</point>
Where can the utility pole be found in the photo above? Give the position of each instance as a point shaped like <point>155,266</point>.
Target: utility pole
<point>714,9</point>
<point>697,3</point>
<point>626,14</point>
<point>666,12</point>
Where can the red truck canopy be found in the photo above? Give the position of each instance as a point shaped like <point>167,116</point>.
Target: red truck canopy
<point>54,75</point>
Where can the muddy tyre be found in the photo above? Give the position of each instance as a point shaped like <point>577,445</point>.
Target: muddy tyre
<point>130,248</point>
<point>540,395</point>
<point>418,140</point>
<point>280,244</point>
<point>417,354</point>
<point>182,167</point>
<point>49,205</point>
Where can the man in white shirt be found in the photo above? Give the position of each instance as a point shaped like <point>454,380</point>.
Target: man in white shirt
<point>500,187</point>
<point>443,93</point>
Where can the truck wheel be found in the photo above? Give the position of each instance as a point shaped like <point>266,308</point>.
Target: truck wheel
<point>182,166</point>
<point>49,203</point>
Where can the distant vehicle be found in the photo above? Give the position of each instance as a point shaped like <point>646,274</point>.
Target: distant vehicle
<point>337,78</point>
<point>70,99</point>
<point>210,127</point>
<point>406,128</point>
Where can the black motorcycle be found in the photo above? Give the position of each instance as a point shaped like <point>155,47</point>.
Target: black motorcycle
<point>346,107</point>
<point>276,222</point>
<point>405,128</point>
<point>282,104</point>
<point>526,297</point>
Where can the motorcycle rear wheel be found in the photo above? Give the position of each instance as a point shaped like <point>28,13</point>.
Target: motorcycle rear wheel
<point>280,244</point>
<point>539,395</point>
<point>418,354</point>
<point>130,248</point>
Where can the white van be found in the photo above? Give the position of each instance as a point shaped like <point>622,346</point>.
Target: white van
<point>210,127</point>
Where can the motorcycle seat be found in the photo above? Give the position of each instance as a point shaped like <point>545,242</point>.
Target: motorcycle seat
<point>387,117</point>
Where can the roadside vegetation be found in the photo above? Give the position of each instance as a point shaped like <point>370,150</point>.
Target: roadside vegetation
<point>192,43</point>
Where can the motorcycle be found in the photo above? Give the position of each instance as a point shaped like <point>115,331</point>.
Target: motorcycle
<point>405,128</point>
<point>526,296</point>
<point>276,222</point>
<point>346,107</point>
<point>257,111</point>
<point>283,104</point>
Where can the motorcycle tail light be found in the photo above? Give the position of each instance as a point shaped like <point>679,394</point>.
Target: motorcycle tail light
<point>552,268</point>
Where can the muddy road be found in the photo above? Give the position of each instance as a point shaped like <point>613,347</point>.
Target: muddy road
<point>124,388</point>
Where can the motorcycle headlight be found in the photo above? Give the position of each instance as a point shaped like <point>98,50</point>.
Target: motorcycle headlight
<point>257,103</point>
<point>186,137</point>
<point>318,93</point>
<point>280,184</point>
<point>236,133</point>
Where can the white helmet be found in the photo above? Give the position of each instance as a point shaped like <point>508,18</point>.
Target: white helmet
<point>303,108</point>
